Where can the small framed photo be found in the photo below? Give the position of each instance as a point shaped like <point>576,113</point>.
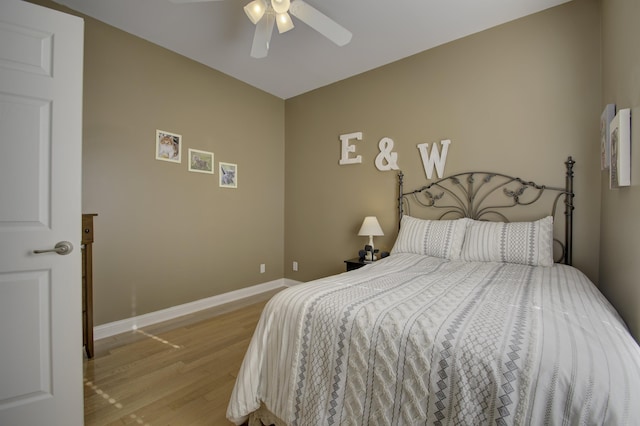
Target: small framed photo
<point>620,137</point>
<point>605,144</point>
<point>228,175</point>
<point>200,161</point>
<point>168,146</point>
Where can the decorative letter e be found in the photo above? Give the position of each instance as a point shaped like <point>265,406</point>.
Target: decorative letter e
<point>346,148</point>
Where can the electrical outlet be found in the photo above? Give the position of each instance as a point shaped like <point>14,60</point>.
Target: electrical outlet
<point>295,266</point>
<point>263,268</point>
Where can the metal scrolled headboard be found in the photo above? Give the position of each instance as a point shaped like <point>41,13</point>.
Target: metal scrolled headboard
<point>478,195</point>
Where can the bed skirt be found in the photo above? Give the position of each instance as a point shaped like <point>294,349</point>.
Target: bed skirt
<point>263,417</point>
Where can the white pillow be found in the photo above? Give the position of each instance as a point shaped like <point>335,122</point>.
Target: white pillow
<point>529,243</point>
<point>438,238</point>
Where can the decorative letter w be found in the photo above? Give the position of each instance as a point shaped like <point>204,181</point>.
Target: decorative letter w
<point>435,159</point>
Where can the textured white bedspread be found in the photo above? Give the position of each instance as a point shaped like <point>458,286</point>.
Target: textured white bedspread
<point>421,340</point>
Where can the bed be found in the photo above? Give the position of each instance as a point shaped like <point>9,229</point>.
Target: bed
<point>468,321</point>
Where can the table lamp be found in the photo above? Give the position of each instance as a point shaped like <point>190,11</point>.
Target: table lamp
<point>370,227</point>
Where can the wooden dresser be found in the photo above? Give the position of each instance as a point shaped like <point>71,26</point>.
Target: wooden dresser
<point>87,283</point>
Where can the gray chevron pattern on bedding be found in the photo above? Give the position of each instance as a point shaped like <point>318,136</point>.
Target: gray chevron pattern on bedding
<point>413,339</point>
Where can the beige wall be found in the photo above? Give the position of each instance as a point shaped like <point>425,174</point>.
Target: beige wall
<point>620,220</point>
<point>163,235</point>
<point>518,98</point>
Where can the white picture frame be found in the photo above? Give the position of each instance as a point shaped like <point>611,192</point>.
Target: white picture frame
<point>620,141</point>
<point>168,146</point>
<point>605,143</point>
<point>201,161</point>
<point>228,175</point>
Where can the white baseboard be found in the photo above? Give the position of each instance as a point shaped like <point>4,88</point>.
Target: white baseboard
<point>125,325</point>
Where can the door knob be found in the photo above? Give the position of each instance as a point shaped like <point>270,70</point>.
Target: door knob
<point>62,248</point>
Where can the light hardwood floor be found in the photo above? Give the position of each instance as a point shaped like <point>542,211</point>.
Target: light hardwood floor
<point>180,372</point>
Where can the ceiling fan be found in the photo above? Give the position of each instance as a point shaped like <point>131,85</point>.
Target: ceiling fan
<point>264,13</point>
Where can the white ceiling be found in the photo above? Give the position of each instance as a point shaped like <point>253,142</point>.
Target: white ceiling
<point>219,35</point>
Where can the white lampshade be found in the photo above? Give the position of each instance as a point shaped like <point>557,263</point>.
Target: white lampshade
<point>284,22</point>
<point>370,227</point>
<point>255,10</point>
<point>280,6</point>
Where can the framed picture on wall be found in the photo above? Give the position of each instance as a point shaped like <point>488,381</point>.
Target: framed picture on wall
<point>605,119</point>
<point>620,138</point>
<point>228,175</point>
<point>168,146</point>
<point>200,161</point>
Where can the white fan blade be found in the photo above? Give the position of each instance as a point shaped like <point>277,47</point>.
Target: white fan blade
<point>320,22</point>
<point>262,36</point>
<point>190,1</point>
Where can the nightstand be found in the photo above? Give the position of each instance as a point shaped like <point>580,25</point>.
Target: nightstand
<point>355,263</point>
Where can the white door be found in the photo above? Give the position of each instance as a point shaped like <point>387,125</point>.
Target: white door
<point>40,205</point>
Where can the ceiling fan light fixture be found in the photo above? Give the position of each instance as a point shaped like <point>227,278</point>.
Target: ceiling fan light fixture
<point>284,22</point>
<point>255,10</point>
<point>280,6</point>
